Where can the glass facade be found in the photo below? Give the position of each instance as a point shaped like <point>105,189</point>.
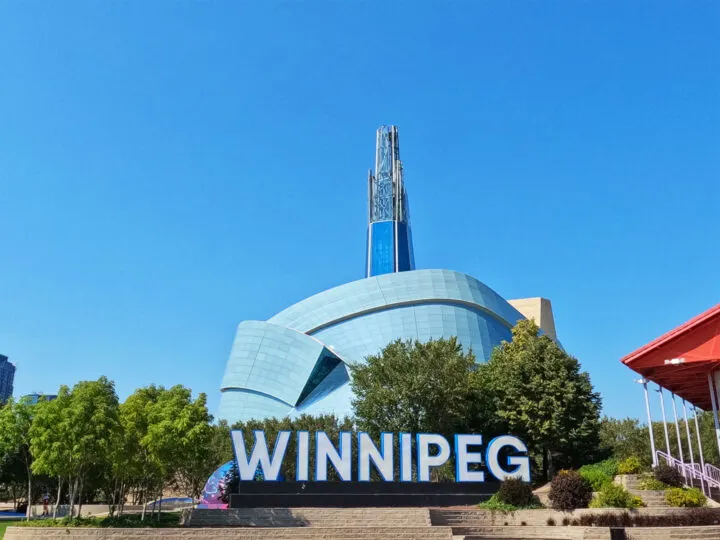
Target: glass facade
<point>389,242</point>
<point>7,377</point>
<point>295,362</point>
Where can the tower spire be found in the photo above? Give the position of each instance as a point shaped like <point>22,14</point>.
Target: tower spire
<point>389,240</point>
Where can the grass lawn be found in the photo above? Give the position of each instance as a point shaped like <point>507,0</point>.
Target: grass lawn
<point>4,524</point>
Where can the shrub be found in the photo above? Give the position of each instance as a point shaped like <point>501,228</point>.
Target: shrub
<point>550,522</point>
<point>599,474</point>
<point>687,497</point>
<point>569,490</point>
<point>630,465</point>
<point>495,504</point>
<point>614,496</point>
<point>650,483</point>
<point>668,475</point>
<point>515,492</point>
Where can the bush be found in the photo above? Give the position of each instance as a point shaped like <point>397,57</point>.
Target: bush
<point>569,490</point>
<point>495,504</point>
<point>599,474</point>
<point>686,497</point>
<point>630,465</point>
<point>515,492</point>
<point>650,483</point>
<point>614,496</point>
<point>668,475</point>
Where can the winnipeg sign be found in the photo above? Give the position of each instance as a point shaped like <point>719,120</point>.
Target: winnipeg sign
<point>430,450</point>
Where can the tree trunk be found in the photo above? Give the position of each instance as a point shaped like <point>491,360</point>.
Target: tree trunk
<point>160,506</point>
<point>144,503</point>
<point>121,502</point>
<point>57,501</point>
<point>29,497</point>
<point>545,464</point>
<point>73,493</point>
<point>80,503</point>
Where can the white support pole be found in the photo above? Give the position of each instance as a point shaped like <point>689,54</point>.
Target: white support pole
<point>689,439</point>
<point>662,408</point>
<point>702,459</point>
<point>652,437</point>
<point>677,433</point>
<point>713,398</point>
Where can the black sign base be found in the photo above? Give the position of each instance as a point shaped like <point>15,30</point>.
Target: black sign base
<point>360,494</point>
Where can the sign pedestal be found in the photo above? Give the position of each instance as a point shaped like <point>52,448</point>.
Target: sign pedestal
<point>360,494</point>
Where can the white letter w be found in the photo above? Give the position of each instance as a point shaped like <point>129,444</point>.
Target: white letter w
<point>270,467</point>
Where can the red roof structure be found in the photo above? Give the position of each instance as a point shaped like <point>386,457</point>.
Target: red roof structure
<point>681,360</point>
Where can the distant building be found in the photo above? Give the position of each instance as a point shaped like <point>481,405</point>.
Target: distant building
<point>32,399</point>
<point>7,376</point>
<point>538,310</point>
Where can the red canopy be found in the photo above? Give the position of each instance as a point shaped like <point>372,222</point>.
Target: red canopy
<point>681,359</point>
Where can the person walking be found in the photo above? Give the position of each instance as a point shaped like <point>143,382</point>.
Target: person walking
<point>46,503</point>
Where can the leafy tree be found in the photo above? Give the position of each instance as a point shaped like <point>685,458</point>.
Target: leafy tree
<point>52,457</point>
<point>15,421</point>
<point>543,397</point>
<point>419,387</point>
<point>141,469</point>
<point>625,438</point>
<point>194,459</point>
<point>168,433</point>
<point>75,437</point>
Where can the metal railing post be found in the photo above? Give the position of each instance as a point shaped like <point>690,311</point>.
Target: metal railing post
<point>689,439</point>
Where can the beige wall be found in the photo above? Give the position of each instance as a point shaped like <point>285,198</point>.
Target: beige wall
<point>539,310</point>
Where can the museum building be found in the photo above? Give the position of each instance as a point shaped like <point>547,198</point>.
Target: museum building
<point>296,362</point>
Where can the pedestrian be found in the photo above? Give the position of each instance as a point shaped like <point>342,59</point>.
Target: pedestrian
<point>46,502</point>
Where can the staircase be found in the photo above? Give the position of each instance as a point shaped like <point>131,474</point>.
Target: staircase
<point>652,499</point>
<point>308,517</point>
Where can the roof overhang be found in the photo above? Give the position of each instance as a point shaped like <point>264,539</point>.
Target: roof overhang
<point>681,360</point>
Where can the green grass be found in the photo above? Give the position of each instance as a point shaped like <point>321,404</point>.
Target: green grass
<point>128,521</point>
<point>4,524</point>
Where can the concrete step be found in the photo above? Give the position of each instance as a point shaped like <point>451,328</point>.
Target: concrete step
<point>292,533</point>
<point>527,533</point>
<point>308,517</point>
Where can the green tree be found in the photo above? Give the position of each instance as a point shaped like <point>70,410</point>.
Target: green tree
<point>52,457</point>
<point>543,397</point>
<point>419,387</point>
<point>74,438</point>
<point>624,438</point>
<point>142,470</point>
<point>176,429</point>
<point>15,421</point>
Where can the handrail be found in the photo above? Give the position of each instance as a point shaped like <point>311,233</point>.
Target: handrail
<point>712,471</point>
<point>706,477</point>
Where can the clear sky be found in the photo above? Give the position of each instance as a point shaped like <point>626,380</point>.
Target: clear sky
<point>169,169</point>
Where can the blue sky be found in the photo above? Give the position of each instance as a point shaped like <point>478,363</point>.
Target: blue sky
<point>169,169</point>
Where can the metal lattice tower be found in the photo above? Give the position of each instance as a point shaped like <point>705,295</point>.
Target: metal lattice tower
<point>389,246</point>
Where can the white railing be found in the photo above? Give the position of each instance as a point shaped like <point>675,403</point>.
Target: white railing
<point>693,474</point>
<point>713,472</point>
